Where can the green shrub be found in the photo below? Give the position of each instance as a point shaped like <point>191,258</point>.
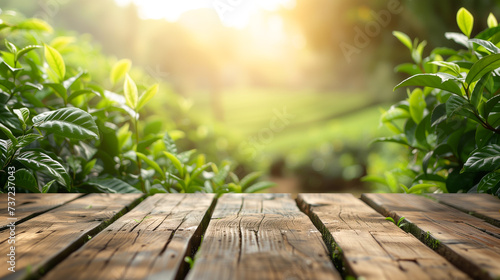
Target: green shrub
<point>61,131</point>
<point>451,121</point>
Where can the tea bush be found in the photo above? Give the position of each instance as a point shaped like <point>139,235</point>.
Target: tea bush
<point>451,121</point>
<point>61,131</point>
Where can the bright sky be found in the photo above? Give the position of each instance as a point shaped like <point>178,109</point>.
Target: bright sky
<point>233,13</point>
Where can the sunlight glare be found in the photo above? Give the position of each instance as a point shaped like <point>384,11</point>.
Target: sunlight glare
<point>233,13</point>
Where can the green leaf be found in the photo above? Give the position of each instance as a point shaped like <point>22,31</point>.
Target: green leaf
<point>9,119</point>
<point>220,175</point>
<point>131,94</point>
<point>23,115</point>
<point>11,47</point>
<point>27,139</point>
<point>26,180</point>
<point>119,70</point>
<point>403,38</point>
<point>247,180</point>
<point>492,21</point>
<point>489,182</point>
<point>459,38</point>
<point>429,177</point>
<point>487,45</point>
<point>79,92</point>
<point>58,89</point>
<point>374,179</point>
<point>420,188</point>
<point>484,159</point>
<point>260,186</point>
<point>4,66</point>
<point>5,148</point>
<point>34,24</point>
<point>184,157</point>
<point>483,136</point>
<point>151,163</point>
<point>4,25</point>
<point>391,181</point>
<point>477,93</point>
<point>46,188</point>
<point>394,113</point>
<point>417,105</point>
<point>418,52</point>
<point>482,67</point>
<point>457,105</point>
<point>449,65</point>
<point>25,50</point>
<point>169,144</point>
<point>438,114</point>
<point>87,168</point>
<point>55,62</point>
<point>9,134</point>
<point>421,132</point>
<point>199,170</point>
<point>7,85</point>
<point>41,162</point>
<point>69,122</point>
<point>144,144</point>
<point>390,219</point>
<point>439,80</point>
<point>465,21</point>
<point>112,185</point>
<point>400,139</point>
<point>146,96</point>
<point>70,81</point>
<point>177,164</point>
<point>491,104</point>
<point>409,131</point>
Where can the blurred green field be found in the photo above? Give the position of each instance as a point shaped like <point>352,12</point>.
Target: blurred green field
<point>319,119</point>
<point>246,111</point>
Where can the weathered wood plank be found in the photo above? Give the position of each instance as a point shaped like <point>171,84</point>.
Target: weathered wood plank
<point>261,236</point>
<point>483,206</point>
<point>150,241</point>
<point>28,205</point>
<point>372,247</point>
<point>469,243</point>
<point>43,241</point>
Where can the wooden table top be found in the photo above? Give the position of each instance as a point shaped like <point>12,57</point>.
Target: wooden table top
<point>249,236</point>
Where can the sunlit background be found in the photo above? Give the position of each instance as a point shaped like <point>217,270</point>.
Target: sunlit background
<point>290,87</point>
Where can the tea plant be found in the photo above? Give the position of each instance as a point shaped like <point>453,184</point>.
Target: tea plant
<point>399,223</point>
<point>451,121</point>
<point>63,132</point>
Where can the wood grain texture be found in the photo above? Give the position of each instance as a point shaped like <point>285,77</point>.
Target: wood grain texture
<point>261,236</point>
<point>29,205</point>
<point>483,206</point>
<point>149,242</point>
<point>372,247</point>
<point>43,241</point>
<point>466,241</point>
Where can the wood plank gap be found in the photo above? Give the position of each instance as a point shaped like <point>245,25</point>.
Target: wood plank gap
<point>44,266</point>
<point>196,241</point>
<point>149,242</point>
<point>333,248</point>
<point>82,240</point>
<point>482,206</point>
<point>369,246</point>
<point>55,202</point>
<point>289,247</point>
<point>470,246</point>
